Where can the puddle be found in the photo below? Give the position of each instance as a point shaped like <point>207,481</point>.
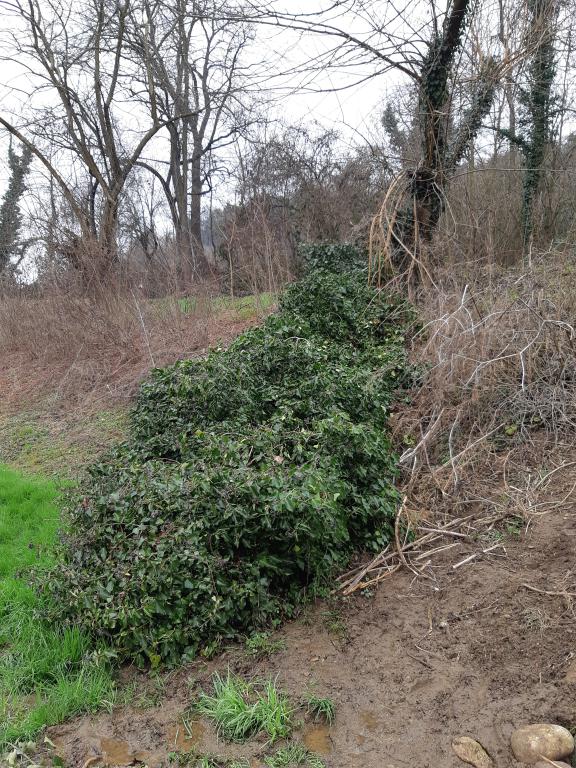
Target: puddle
<point>369,720</point>
<point>116,752</point>
<point>184,739</point>
<point>317,739</point>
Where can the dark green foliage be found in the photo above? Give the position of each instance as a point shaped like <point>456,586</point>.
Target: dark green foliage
<point>248,478</point>
<point>334,257</point>
<point>480,103</point>
<point>10,216</point>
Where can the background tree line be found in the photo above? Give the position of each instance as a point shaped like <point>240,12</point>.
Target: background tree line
<point>127,119</point>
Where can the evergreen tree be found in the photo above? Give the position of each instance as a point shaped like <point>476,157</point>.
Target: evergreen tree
<point>11,246</point>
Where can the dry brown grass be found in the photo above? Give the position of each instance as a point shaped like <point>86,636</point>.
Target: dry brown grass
<point>498,393</point>
<point>61,350</point>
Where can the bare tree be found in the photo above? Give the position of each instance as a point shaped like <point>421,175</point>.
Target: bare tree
<point>372,38</point>
<point>75,54</point>
<point>192,53</point>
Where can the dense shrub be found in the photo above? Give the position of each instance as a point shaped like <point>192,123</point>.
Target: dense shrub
<point>248,478</point>
<point>335,257</point>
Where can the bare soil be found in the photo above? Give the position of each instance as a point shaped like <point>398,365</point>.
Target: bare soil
<point>410,666</point>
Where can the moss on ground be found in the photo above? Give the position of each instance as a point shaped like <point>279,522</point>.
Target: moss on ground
<point>57,445</point>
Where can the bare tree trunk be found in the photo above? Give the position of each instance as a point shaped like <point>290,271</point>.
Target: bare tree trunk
<point>200,264</point>
<point>508,85</point>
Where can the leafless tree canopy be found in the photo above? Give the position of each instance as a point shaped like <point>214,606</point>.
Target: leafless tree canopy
<point>161,138</point>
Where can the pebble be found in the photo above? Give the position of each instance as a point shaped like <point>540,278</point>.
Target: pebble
<point>570,676</point>
<point>472,752</point>
<point>541,764</point>
<point>533,742</point>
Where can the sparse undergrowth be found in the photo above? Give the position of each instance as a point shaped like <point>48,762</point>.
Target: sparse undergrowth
<point>248,478</point>
<point>46,674</point>
<point>292,756</point>
<point>57,444</point>
<point>260,644</point>
<point>242,710</point>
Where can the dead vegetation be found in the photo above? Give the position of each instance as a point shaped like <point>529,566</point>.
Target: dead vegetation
<point>484,437</point>
<point>61,350</point>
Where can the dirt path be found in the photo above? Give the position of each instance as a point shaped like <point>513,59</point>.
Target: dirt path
<point>410,667</point>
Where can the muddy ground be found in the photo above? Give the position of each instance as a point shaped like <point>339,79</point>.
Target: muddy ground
<point>410,666</point>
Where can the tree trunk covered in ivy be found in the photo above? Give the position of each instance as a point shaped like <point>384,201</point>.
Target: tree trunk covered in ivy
<point>11,247</point>
<point>439,154</point>
<point>537,102</point>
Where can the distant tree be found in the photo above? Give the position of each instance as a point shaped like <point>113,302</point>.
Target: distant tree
<point>193,55</point>
<point>12,248</point>
<point>78,57</point>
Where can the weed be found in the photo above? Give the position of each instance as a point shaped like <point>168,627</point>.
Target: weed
<point>321,708</point>
<point>240,709</point>
<point>207,762</point>
<point>536,619</point>
<point>294,755</point>
<point>182,759</point>
<point>259,644</point>
<point>514,526</point>
<point>144,696</point>
<point>334,623</point>
<point>492,536</point>
<point>193,760</point>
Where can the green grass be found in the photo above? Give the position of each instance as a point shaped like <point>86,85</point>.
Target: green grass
<point>294,755</point>
<point>244,307</point>
<point>321,708</point>
<point>59,446</point>
<point>192,760</point>
<point>241,709</point>
<point>46,674</point>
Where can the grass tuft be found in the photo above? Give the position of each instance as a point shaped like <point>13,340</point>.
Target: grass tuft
<point>294,755</point>
<point>241,709</point>
<point>260,645</point>
<point>321,709</point>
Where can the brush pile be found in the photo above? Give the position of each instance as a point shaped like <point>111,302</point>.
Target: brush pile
<point>248,479</point>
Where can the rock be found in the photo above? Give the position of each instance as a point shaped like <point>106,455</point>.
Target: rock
<point>570,676</point>
<point>533,742</point>
<point>553,764</point>
<point>471,752</point>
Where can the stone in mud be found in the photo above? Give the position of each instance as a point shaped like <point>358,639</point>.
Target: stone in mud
<point>472,752</point>
<point>570,676</point>
<point>553,764</point>
<point>533,742</point>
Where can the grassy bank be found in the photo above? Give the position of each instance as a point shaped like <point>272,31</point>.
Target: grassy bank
<point>46,674</point>
<point>56,444</point>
